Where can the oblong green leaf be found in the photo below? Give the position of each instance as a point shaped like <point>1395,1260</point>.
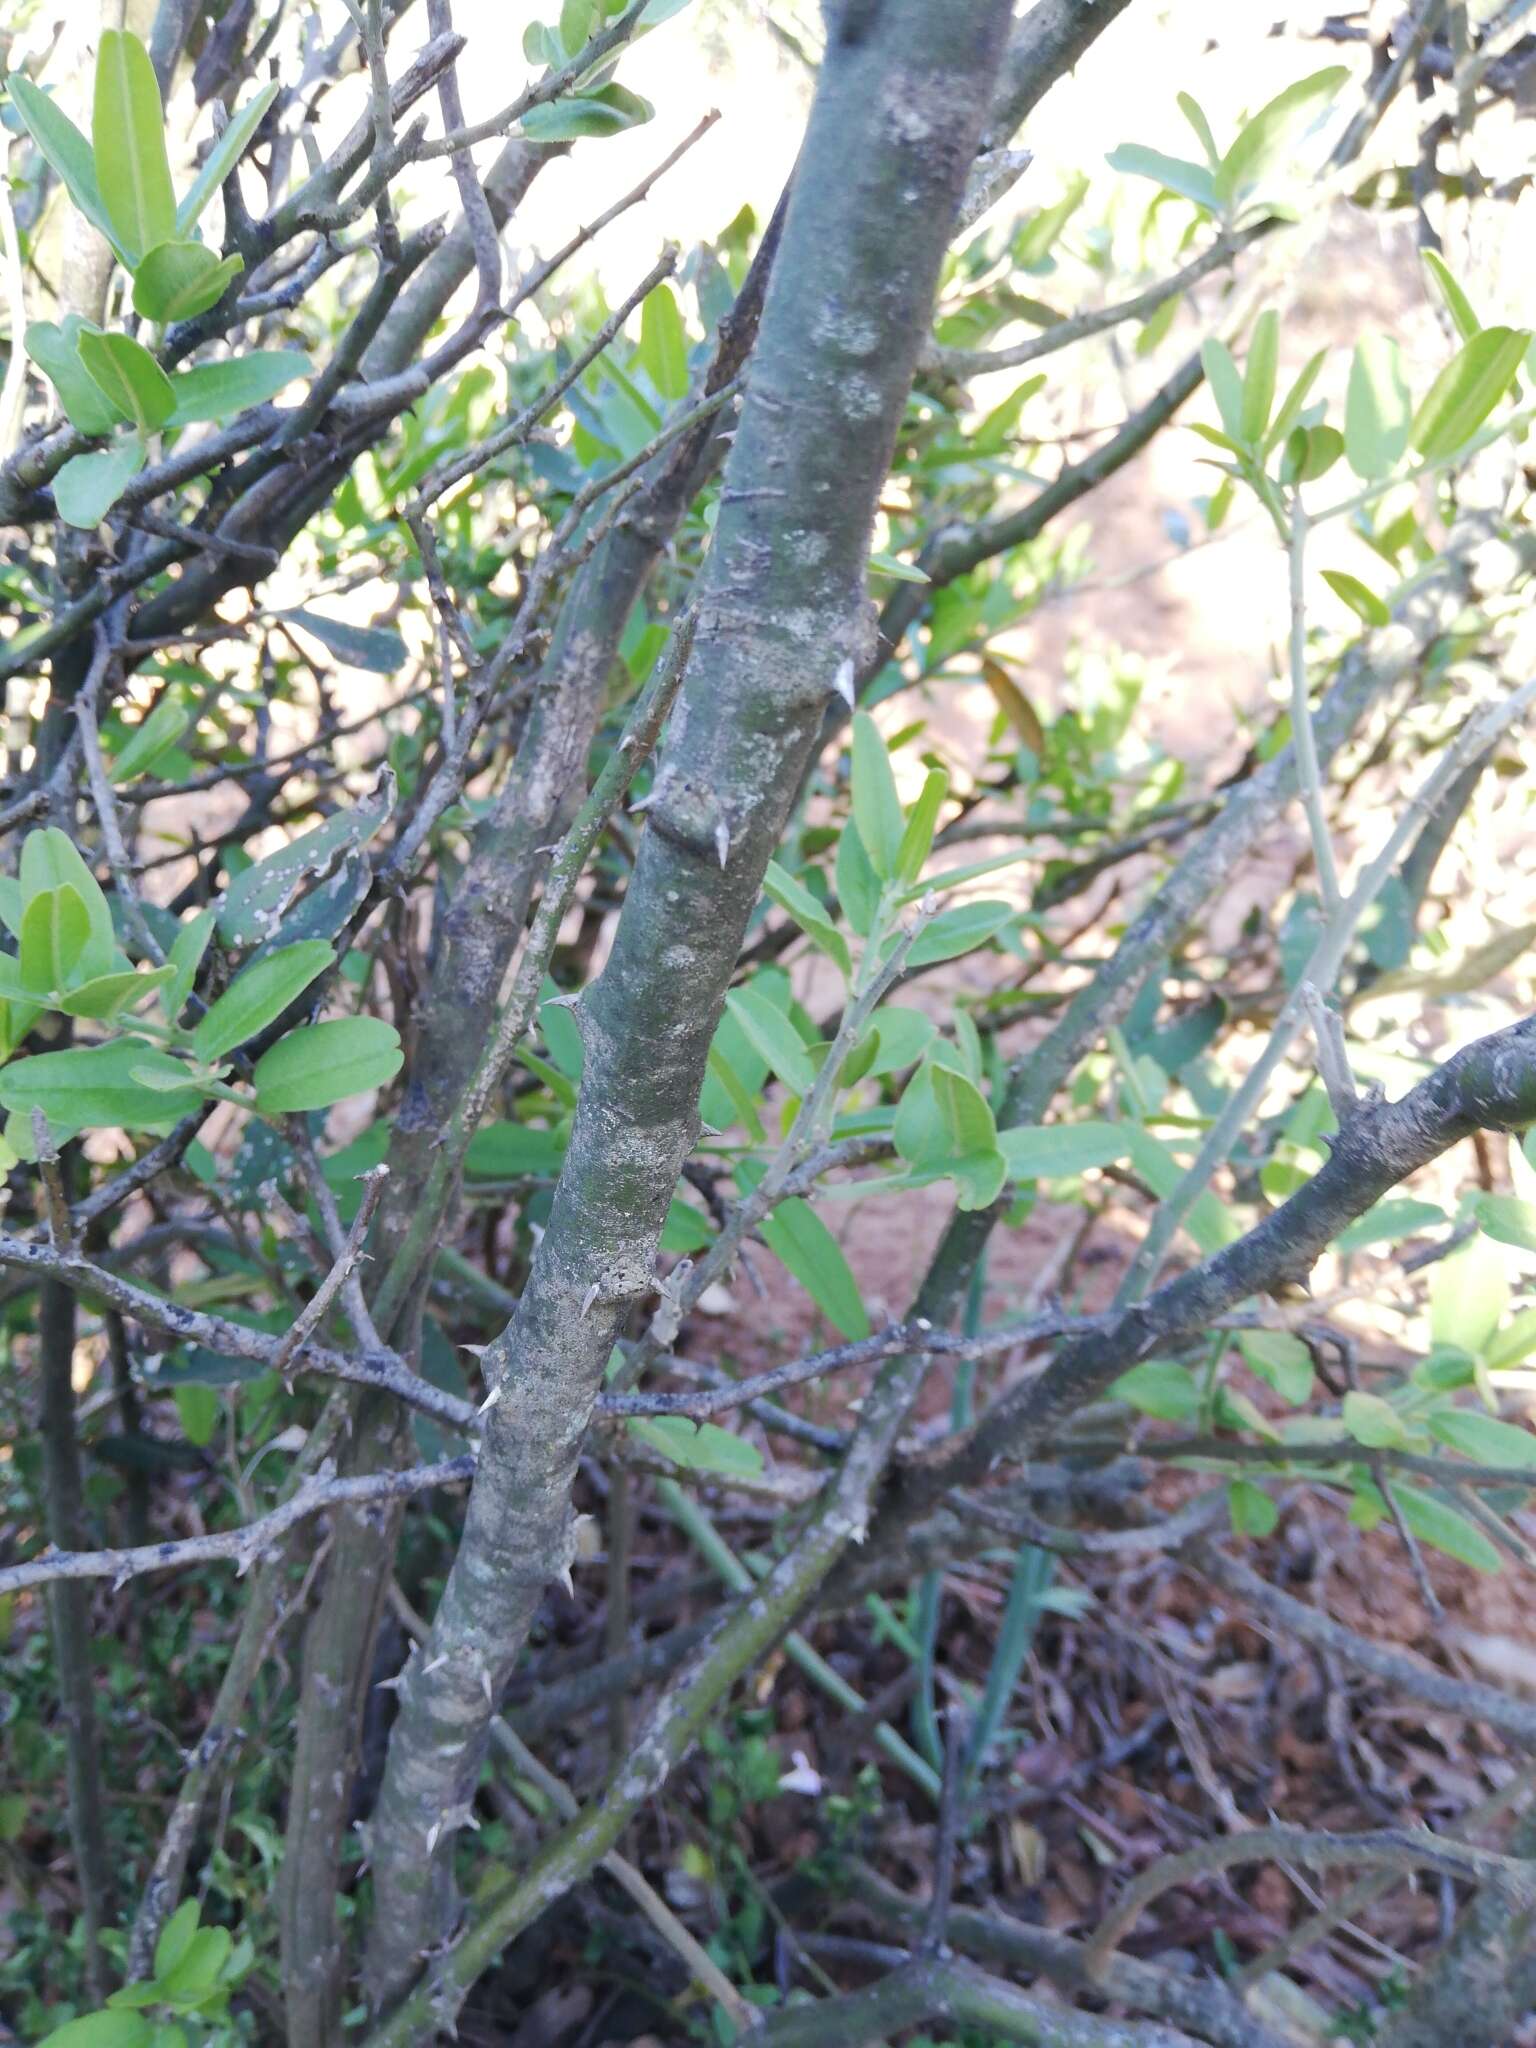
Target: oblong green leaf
<point>108,996</point>
<point>1259,375</point>
<point>128,138</point>
<point>130,377</point>
<point>1483,1437</point>
<point>960,930</point>
<point>217,391</point>
<point>798,1238</point>
<point>607,110</point>
<point>55,350</point>
<point>1362,601</point>
<point>150,739</point>
<point>1226,383</point>
<point>66,152</point>
<point>1377,408</point>
<point>774,1038</point>
<point>1173,173</point>
<point>257,996</point>
<point>1272,129</point>
<point>1467,390</point>
<point>55,932</point>
<point>917,835</point>
<point>177,280</point>
<point>1457,304</point>
<point>1445,1529</point>
<point>324,1063</point>
<point>365,647</point>
<point>101,2030</point>
<point>88,486</point>
<point>224,155</point>
<point>1055,1151</point>
<point>876,807</point>
<point>664,343</point>
<point>93,1088</point>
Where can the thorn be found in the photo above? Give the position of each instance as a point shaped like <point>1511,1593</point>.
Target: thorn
<point>491,1399</point>
<point>392,1684</point>
<point>642,803</point>
<point>432,1834</point>
<point>474,1350</point>
<point>723,841</point>
<point>485,1687</point>
<point>568,1582</point>
<point>842,682</point>
<point>590,1296</point>
<point>567,1002</point>
<point>436,1665</point>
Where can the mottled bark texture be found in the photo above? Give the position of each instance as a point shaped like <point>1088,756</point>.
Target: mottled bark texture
<point>475,942</point>
<point>894,126</point>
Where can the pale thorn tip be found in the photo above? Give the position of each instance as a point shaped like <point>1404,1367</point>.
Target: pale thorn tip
<point>642,803</point>
<point>491,1399</point>
<point>842,682</point>
<point>723,841</point>
<point>590,1296</point>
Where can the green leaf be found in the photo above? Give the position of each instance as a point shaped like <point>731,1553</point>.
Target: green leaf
<point>876,807</point>
<point>184,958</point>
<point>1388,1222</point>
<point>774,1038</point>
<point>1194,114</point>
<point>1457,304</point>
<point>55,932</point>
<point>255,900</point>
<point>797,901</point>
<point>177,280</point>
<point>960,930</point>
<point>607,110</point>
<point>1444,1529</point>
<point>1310,452</point>
<point>1054,1151</point>
<point>107,996</point>
<point>88,486</point>
<point>257,996</point>
<point>1280,1359</point>
<point>894,567</point>
<point>1374,1422</point>
<point>101,2029</point>
<point>1272,131</point>
<point>1509,1219</point>
<point>917,835</point>
<point>698,1447</point>
<point>901,1036</point>
<point>858,886</point>
<point>51,860</point>
<point>1467,390</point>
<point>1483,1438</point>
<point>1362,601</point>
<point>93,1088</point>
<point>1291,405</point>
<point>1468,1296</point>
<point>176,1937</point>
<point>1161,1388</point>
<point>1252,1511</point>
<point>56,352</point>
<point>128,135</point>
<point>1173,173</point>
<point>798,1238</point>
<point>1378,408</point>
<point>224,155</point>
<point>323,1063</point>
<point>198,1409</point>
<point>217,391</point>
<point>1514,1341</point>
<point>1259,376</point>
<point>151,739</point>
<point>1226,383</point>
<point>66,152</point>
<point>130,377</point>
<point>664,344</point>
<point>365,647</point>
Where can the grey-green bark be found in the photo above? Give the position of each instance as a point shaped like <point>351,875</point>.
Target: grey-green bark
<point>892,132</point>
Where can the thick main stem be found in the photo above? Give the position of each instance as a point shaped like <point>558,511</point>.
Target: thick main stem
<point>898,109</point>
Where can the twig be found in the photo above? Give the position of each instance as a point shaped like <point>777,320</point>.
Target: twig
<point>313,1312</point>
<point>1397,1848</point>
<point>244,1545</point>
